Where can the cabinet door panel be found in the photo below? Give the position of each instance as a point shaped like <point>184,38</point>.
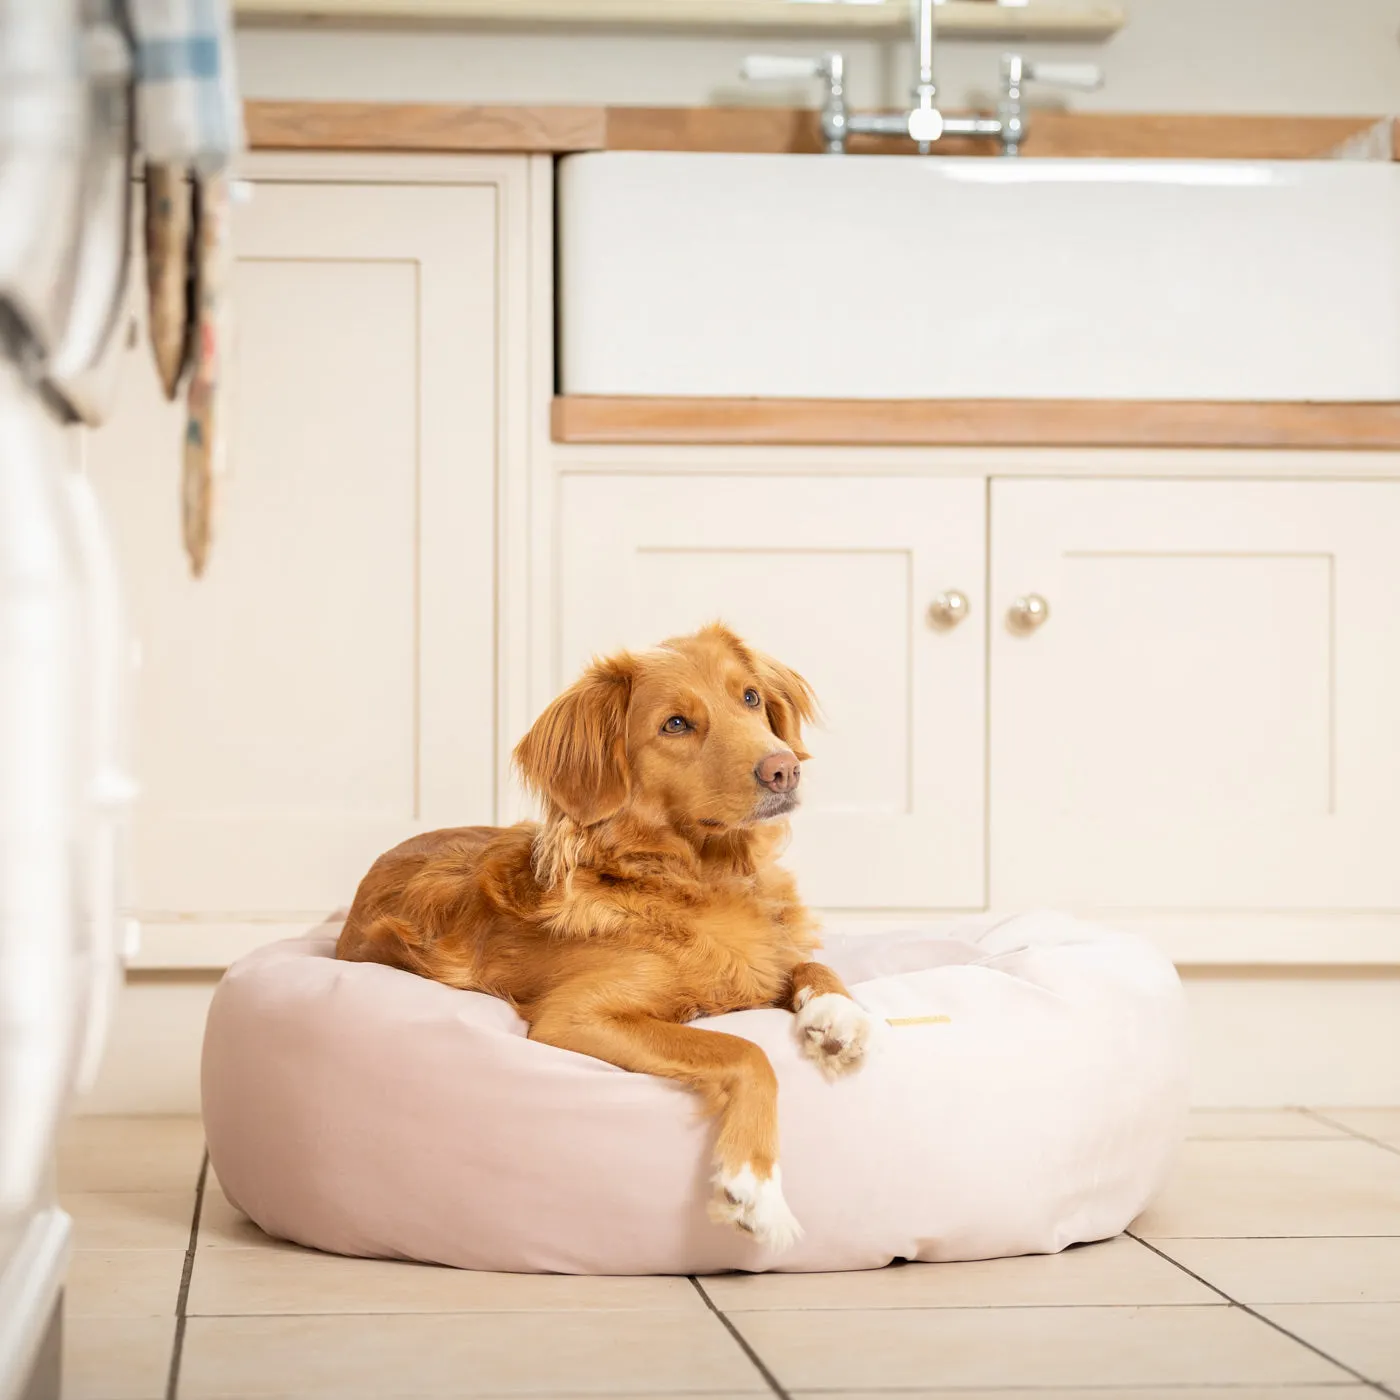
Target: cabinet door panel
<point>1207,718</point>
<point>326,688</point>
<point>833,576</point>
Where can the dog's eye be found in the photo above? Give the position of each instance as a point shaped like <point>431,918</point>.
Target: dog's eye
<point>751,698</point>
<point>677,724</point>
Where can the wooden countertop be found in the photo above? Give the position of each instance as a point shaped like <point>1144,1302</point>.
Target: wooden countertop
<point>974,423</point>
<point>413,126</point>
<point>1037,19</point>
<point>422,126</point>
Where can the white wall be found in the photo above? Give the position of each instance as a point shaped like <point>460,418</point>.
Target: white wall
<point>1279,56</point>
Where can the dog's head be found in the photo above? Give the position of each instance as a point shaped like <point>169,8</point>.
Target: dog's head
<point>702,734</point>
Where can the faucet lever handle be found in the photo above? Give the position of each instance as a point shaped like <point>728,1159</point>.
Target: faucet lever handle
<point>1015,71</point>
<point>758,67</point>
<point>1081,77</point>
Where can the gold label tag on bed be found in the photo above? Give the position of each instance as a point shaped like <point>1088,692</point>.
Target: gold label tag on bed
<point>917,1020</point>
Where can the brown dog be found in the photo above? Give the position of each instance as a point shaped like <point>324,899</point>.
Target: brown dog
<point>647,897</point>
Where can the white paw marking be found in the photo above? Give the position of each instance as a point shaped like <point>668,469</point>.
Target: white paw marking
<point>755,1205</point>
<point>836,1034</point>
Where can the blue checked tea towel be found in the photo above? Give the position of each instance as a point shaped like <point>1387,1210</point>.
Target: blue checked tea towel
<point>187,104</point>
<point>190,130</point>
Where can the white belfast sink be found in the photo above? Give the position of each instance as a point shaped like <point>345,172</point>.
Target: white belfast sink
<point>900,277</point>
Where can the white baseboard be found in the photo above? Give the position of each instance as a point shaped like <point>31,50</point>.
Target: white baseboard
<point>1286,1009</point>
<point>1260,1038</point>
<point>1274,1037</point>
<point>185,945</point>
<point>153,1051</point>
<point>1195,938</point>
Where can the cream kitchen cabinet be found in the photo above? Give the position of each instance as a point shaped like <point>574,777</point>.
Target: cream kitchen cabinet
<point>1208,718</point>
<point>328,687</point>
<point>1203,724</point>
<point>834,575</point>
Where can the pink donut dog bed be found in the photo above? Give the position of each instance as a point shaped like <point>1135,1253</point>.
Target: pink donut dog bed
<point>1028,1094</point>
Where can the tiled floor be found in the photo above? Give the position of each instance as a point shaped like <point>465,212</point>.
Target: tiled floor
<point>1269,1268</point>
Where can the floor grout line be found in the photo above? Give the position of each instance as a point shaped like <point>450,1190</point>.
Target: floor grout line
<point>1260,1317</point>
<point>178,1344</point>
<point>1338,1136</point>
<point>1167,1239</point>
<point>1355,1133</point>
<point>772,1381</point>
<point>1186,1389</point>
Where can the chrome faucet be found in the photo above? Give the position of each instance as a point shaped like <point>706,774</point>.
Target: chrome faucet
<point>923,123</point>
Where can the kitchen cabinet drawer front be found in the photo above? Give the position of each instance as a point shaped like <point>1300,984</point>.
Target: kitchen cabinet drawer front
<point>327,688</point>
<point>834,576</point>
<point>1209,715</point>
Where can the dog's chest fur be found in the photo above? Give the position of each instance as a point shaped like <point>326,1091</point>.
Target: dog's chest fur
<point>739,948</point>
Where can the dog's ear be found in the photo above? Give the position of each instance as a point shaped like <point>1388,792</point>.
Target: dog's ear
<point>575,755</point>
<point>789,702</point>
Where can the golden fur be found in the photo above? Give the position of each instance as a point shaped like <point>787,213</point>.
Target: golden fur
<point>648,896</point>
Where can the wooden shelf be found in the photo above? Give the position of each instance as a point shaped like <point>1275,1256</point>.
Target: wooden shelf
<point>974,423</point>
<point>1045,19</point>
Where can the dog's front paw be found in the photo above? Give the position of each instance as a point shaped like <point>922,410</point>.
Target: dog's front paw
<point>836,1034</point>
<point>756,1205</point>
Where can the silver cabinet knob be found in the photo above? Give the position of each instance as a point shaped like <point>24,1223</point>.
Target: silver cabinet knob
<point>948,609</point>
<point>1027,613</point>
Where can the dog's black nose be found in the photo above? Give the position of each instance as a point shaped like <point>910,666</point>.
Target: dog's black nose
<point>779,772</point>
